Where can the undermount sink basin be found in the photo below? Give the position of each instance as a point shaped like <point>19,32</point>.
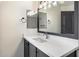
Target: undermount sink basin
<point>40,40</point>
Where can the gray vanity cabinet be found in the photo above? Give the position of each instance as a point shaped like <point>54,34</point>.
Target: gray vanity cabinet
<point>26,48</point>
<point>41,54</point>
<point>32,50</point>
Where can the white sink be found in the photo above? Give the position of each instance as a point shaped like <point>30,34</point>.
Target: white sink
<point>41,40</point>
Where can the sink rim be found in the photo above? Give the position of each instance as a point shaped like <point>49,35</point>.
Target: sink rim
<point>39,39</point>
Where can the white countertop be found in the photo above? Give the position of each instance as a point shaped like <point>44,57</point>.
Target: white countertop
<point>54,47</point>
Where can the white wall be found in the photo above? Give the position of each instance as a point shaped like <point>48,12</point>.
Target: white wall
<point>0,35</point>
<point>11,43</point>
<point>54,15</point>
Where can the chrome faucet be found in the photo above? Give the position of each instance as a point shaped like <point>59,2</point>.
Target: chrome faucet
<point>46,35</point>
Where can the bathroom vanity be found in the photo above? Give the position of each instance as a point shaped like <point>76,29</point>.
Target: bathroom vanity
<point>33,47</point>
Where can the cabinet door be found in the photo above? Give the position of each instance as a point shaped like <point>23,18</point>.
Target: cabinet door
<point>26,48</point>
<point>41,54</point>
<point>72,54</point>
<point>32,50</point>
<point>67,22</point>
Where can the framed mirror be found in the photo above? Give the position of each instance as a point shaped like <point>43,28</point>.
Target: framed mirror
<point>58,18</point>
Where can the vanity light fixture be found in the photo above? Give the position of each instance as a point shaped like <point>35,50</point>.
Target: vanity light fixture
<point>30,13</point>
<point>45,4</point>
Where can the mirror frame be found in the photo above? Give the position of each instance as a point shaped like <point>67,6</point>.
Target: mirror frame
<point>75,35</point>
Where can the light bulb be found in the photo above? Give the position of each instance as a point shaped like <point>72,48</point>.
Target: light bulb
<point>45,3</point>
<point>54,3</point>
<point>49,5</point>
<point>32,12</point>
<point>45,7</point>
<point>28,13</point>
<point>40,6</point>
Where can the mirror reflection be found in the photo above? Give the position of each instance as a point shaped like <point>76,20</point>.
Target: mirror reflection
<point>57,17</point>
